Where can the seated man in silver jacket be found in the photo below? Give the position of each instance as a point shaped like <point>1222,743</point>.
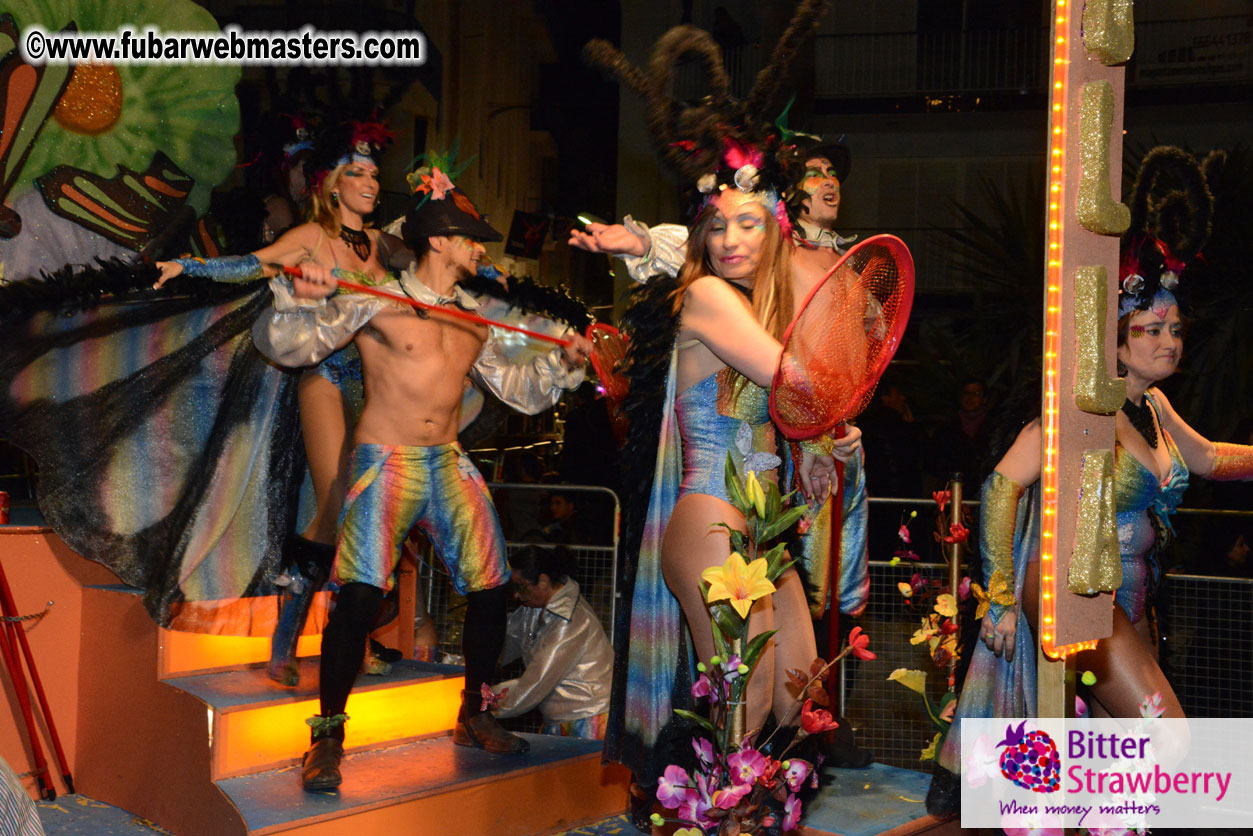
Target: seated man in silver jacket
<point>569,663</point>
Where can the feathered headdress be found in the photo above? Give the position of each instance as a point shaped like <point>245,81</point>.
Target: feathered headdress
<point>300,133</point>
<point>722,143</point>
<point>347,142</point>
<point>1171,208</point>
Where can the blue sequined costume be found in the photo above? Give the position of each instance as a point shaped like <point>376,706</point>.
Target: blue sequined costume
<point>996,688</point>
<point>714,419</point>
<point>1144,506</point>
<point>652,651</point>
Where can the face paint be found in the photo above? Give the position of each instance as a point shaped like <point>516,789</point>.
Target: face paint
<point>729,201</point>
<point>1135,331</point>
<point>817,172</point>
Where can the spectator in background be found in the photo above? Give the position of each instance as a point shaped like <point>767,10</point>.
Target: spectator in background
<point>566,525</point>
<point>894,452</point>
<point>569,664</point>
<point>962,443</point>
<point>897,444</point>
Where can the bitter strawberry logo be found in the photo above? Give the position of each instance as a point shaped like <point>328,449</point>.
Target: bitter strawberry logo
<point>1030,759</point>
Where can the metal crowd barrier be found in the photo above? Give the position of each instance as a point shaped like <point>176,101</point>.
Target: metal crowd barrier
<point>595,554</point>
<point>1208,652</point>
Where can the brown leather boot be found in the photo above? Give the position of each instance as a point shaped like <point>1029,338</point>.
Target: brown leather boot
<point>485,732</point>
<point>320,770</point>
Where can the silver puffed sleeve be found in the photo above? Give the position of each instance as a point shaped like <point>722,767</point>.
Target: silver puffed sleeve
<point>530,387</point>
<point>303,332</point>
<point>667,249</point>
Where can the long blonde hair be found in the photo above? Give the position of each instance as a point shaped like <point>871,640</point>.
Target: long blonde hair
<point>772,282</point>
<point>323,210</point>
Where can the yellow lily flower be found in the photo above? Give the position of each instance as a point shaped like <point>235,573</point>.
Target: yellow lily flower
<point>754,494</point>
<point>929,753</point>
<point>906,589</point>
<point>913,680</point>
<point>946,605</point>
<point>738,582</point>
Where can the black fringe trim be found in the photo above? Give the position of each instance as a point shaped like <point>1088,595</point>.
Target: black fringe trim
<point>526,294</point>
<point>651,325</point>
<point>70,290</point>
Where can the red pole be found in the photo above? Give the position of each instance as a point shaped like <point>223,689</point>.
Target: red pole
<point>833,588</point>
<point>14,666</point>
<point>10,610</point>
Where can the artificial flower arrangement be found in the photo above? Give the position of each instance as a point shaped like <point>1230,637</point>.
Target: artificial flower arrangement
<point>739,787</point>
<point>939,627</point>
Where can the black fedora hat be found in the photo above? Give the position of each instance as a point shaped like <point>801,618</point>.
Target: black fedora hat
<point>453,214</point>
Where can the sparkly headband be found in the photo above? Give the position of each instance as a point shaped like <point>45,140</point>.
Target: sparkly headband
<point>293,148</point>
<point>746,184</point>
<point>361,152</point>
<point>1161,301</point>
<point>1138,293</point>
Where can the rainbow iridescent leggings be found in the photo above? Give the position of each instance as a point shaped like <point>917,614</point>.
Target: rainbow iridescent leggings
<point>588,728</point>
<point>391,489</point>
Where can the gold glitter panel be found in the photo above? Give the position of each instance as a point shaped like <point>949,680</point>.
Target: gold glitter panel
<point>1000,521</point>
<point>740,398</point>
<point>1096,565</point>
<point>1095,391</point>
<point>1097,210</point>
<point>1109,32</point>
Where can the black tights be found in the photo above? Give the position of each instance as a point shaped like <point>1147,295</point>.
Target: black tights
<point>357,606</point>
<point>343,647</point>
<point>482,639</point>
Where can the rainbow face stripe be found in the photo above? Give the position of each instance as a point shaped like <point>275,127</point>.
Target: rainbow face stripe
<point>392,489</point>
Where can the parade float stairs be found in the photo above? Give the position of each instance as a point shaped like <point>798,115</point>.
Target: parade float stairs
<point>187,731</point>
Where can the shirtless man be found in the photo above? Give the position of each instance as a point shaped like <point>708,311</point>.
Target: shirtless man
<point>406,467</point>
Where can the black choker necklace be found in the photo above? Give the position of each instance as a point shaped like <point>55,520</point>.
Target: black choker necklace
<point>358,240</point>
<point>1141,417</point>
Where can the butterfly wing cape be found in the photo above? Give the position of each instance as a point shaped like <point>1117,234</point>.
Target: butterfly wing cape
<point>168,448</point>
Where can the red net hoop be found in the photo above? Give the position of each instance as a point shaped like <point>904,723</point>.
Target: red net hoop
<point>608,353</point>
<point>843,338</point>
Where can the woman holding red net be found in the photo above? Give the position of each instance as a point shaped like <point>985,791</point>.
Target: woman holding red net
<point>710,339</point>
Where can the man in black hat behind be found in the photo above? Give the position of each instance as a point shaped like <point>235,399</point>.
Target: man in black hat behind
<point>814,205</point>
<point>406,467</point>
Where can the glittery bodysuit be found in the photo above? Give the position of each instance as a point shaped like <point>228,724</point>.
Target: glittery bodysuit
<point>1137,495</point>
<point>715,419</point>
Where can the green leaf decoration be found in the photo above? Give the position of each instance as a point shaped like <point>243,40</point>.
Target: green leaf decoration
<point>755,647</point>
<point>695,718</point>
<point>782,523</point>
<point>774,502</point>
<point>735,489</point>
<point>726,618</point>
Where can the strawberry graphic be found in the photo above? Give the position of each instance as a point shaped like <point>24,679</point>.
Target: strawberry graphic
<point>1030,760</point>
